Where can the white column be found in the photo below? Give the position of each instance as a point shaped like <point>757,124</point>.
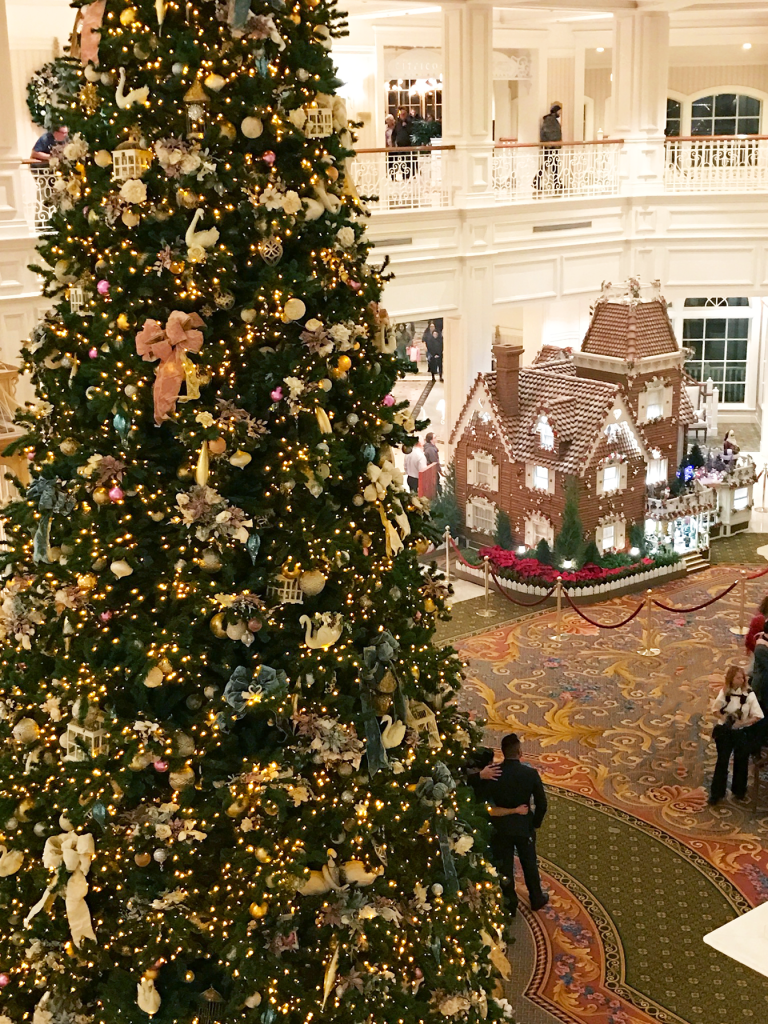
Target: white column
<point>639,97</point>
<point>579,67</point>
<point>11,213</point>
<point>532,97</point>
<point>468,338</point>
<point>468,99</point>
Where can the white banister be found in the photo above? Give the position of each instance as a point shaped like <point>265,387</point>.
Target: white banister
<point>737,163</point>
<point>406,178</point>
<point>524,172</point>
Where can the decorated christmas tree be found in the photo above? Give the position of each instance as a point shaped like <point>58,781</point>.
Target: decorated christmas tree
<point>230,757</point>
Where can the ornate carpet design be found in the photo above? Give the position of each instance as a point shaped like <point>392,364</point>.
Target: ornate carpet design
<point>625,742</point>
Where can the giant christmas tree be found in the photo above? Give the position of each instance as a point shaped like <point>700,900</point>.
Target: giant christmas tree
<point>229,753</point>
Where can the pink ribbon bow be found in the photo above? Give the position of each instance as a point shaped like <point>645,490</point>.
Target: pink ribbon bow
<point>170,345</point>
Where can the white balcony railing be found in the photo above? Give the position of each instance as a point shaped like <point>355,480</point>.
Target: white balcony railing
<point>41,206</point>
<point>406,178</point>
<point>718,163</point>
<point>526,171</point>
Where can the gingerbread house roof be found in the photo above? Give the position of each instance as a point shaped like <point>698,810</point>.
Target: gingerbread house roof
<point>577,408</point>
<point>630,330</point>
<point>553,355</point>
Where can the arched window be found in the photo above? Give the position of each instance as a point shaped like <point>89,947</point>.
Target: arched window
<point>717,335</point>
<point>726,113</point>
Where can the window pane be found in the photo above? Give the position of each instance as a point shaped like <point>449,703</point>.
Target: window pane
<point>725,105</point>
<point>733,393</point>
<point>749,126</point>
<point>737,352</point>
<point>697,348</point>
<point>695,370</point>
<point>736,372</point>
<point>673,108</point>
<point>695,302</point>
<point>701,127</point>
<point>747,105</point>
<point>715,328</point>
<point>703,107</point>
<point>725,126</point>
<point>714,349</point>
<point>693,328</point>
<point>672,129</point>
<point>738,328</point>
<point>738,300</point>
<point>714,370</point>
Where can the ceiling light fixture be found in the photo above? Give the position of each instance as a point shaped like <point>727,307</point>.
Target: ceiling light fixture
<point>395,14</point>
<point>746,46</point>
<point>601,49</point>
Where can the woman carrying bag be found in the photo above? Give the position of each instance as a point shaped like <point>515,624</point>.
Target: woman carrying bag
<point>737,711</point>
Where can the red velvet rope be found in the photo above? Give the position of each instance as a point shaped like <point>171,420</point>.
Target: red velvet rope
<point>757,575</point>
<point>603,625</point>
<point>459,556</point>
<point>698,607</point>
<point>521,604</point>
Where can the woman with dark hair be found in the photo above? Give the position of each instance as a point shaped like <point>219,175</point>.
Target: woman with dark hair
<point>736,711</point>
<point>433,340</point>
<point>756,625</point>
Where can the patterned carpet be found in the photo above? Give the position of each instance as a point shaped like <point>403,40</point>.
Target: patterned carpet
<point>638,865</point>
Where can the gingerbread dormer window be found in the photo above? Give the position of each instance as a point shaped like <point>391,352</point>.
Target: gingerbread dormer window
<point>655,402</point>
<point>546,433</point>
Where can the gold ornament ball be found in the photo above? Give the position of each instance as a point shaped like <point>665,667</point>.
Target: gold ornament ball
<point>270,807</point>
<point>422,545</point>
<point>344,364</point>
<point>295,309</point>
<point>102,158</point>
<point>128,16</point>
<point>331,173</point>
<point>258,910</point>
<point>228,130</point>
<point>217,446</point>
<point>177,267</point>
<point>122,322</point>
<point>184,472</point>
<point>291,572</point>
<point>217,626</point>
<point>87,581</point>
<point>187,198</point>
<point>261,855</point>
<point>295,18</point>
<point>236,808</point>
<point>68,446</point>
<point>189,976</point>
<point>142,860</point>
<point>101,496</point>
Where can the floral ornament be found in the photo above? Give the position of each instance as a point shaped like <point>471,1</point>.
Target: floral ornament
<point>332,742</point>
<point>170,345</point>
<point>211,515</point>
<point>19,612</point>
<point>133,191</point>
<point>232,415</point>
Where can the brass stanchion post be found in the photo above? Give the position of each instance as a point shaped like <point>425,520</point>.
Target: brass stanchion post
<point>486,611</point>
<point>649,651</point>
<point>741,629</point>
<point>558,634</point>
<point>447,554</point>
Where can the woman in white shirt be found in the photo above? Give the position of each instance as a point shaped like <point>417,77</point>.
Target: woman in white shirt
<point>736,710</point>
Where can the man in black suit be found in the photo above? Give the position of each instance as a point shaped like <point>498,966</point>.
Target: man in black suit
<point>519,804</point>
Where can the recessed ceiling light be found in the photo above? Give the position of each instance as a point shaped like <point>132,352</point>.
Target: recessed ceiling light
<point>746,46</point>
<point>601,49</point>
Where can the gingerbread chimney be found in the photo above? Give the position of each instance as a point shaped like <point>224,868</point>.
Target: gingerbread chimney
<point>507,357</point>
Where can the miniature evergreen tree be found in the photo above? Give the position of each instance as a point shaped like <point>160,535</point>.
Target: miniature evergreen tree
<point>229,752</point>
<point>695,457</point>
<point>544,552</point>
<point>570,540</point>
<point>445,509</point>
<point>592,554</point>
<point>503,533</point>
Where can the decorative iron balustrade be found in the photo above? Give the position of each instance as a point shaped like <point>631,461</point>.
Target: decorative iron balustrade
<point>407,178</point>
<point>523,172</point>
<point>723,163</point>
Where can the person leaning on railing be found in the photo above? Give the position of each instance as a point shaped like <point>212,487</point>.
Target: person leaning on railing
<point>551,134</point>
<point>41,151</point>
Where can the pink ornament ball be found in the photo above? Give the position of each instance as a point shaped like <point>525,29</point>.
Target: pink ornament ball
<point>116,494</point>
<point>388,400</point>
<point>160,766</point>
<point>105,616</point>
<point>4,980</point>
<point>93,353</point>
<point>276,395</point>
<point>103,287</point>
<point>268,157</point>
<point>354,285</point>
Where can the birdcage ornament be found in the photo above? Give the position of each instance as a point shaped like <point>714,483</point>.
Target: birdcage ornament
<point>285,591</point>
<point>319,122</point>
<point>78,300</point>
<point>212,1007</point>
<point>90,735</point>
<point>422,719</point>
<point>130,160</point>
<point>196,101</point>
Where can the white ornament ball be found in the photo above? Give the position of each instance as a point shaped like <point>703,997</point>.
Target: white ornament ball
<point>26,731</point>
<point>160,856</point>
<point>437,889</point>
<point>39,828</point>
<point>92,74</point>
<point>251,127</point>
<point>102,158</point>
<point>153,678</point>
<point>248,315</point>
<point>215,83</point>
<point>177,68</point>
<point>294,309</point>
<point>130,390</point>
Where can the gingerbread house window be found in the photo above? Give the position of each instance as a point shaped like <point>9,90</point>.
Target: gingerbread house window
<point>740,499</point>
<point>541,478</point>
<point>538,527</point>
<point>482,472</point>
<point>611,536</point>
<point>480,515</point>
<point>656,471</point>
<point>612,477</point>
<point>655,402</point>
<point>546,433</point>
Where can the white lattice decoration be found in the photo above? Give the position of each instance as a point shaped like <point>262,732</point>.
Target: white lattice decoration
<point>319,122</point>
<point>414,179</point>
<point>284,591</point>
<point>130,163</point>
<point>45,200</point>
<point>716,165</point>
<point>92,737</point>
<point>77,299</point>
<point>522,172</point>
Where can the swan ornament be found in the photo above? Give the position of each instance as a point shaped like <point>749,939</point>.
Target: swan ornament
<point>354,872</point>
<point>125,100</point>
<point>202,239</point>
<point>322,881</point>
<point>322,630</point>
<point>393,734</point>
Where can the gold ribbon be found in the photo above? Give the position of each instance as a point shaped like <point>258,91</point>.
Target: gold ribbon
<point>75,852</point>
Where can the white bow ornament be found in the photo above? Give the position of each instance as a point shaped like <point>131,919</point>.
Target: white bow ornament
<point>76,853</point>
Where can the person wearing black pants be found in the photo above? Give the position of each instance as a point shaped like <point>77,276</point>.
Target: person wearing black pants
<point>519,804</point>
<point>736,734</point>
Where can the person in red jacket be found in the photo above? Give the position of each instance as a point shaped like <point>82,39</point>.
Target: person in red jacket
<point>756,625</point>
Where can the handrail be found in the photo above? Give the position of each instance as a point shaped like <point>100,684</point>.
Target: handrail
<point>538,145</point>
<point>714,138</point>
<point>404,149</point>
